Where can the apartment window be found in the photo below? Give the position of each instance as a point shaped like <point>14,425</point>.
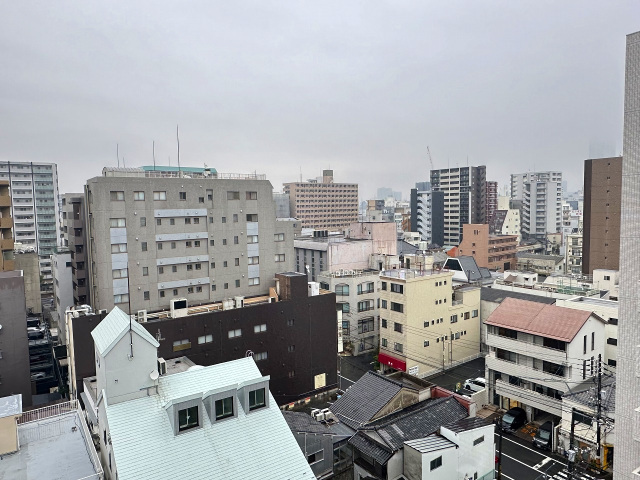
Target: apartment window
<point>224,219</point>
<point>213,288</point>
<point>158,221</point>
<point>189,267</point>
<point>123,298</point>
<point>367,287</point>
<point>117,196</point>
<point>233,195</point>
<point>145,271</point>
<point>436,463</point>
<point>143,221</point>
<point>278,237</point>
<point>593,340</point>
<point>117,222</point>
<point>196,220</point>
<point>383,322</point>
<point>584,345</point>
<point>252,217</point>
<point>454,318</point>
<point>252,238</point>
<point>252,195</point>
<point>210,219</point>
<point>237,283</point>
<point>397,288</point>
<point>384,285</point>
<point>385,343</point>
<point>253,260</point>
<point>144,246</point>
<point>200,199</point>
<point>138,195</point>
<point>159,195</point>
<point>292,373</point>
<point>236,240</point>
<point>224,241</point>
<point>174,268</point>
<point>175,292</point>
<point>383,303</point>
<point>189,289</point>
<point>188,244</point>
<point>342,290</point>
<point>212,243</point>
<point>235,333</point>
<point>397,307</point>
<point>224,408</point>
<point>196,243</point>
<point>254,281</point>
<point>466,315</point>
<point>183,195</point>
<point>290,322</point>
<point>260,356</point>
<point>397,347</point>
<point>365,325</point>
<point>159,245</point>
<point>198,289</point>
<point>256,399</point>
<point>146,296</point>
<point>172,221</point>
<point>161,293</point>
<point>120,273</point>
<point>160,269</point>
<point>397,327</point>
<point>187,418</point>
<point>198,266</point>
<point>260,328</point>
<point>291,348</point>
<point>478,440</point>
<point>612,341</point>
<point>343,307</point>
<point>119,248</point>
<point>365,306</point>
<point>474,313</point>
<point>187,221</point>
<point>224,264</point>
<point>279,257</point>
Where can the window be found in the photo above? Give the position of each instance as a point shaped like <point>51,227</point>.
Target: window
<point>189,289</point>
<point>292,373</point>
<point>260,356</point>
<point>383,304</point>
<point>593,340</point>
<point>235,240</point>
<point>143,221</point>
<point>454,318</point>
<point>159,245</point>
<point>159,195</point>
<point>366,287</point>
<point>144,246</point>
<point>224,219</point>
<point>397,327</point>
<point>200,199</point>
<point>253,260</point>
<point>584,345</point>
<point>365,325</point>
<point>343,307</point>
<point>612,341</point>
<point>397,307</point>
<point>252,217</point>
<point>478,440</point>
<point>291,348</point>
<point>260,328</point>
<point>384,342</point>
<point>189,267</point>
<point>474,313</point>
<point>224,264</point>
<point>256,399</point>
<point>278,237</point>
<point>426,343</point>
<point>117,196</point>
<point>175,292</point>
<point>187,221</point>
<point>235,333</point>
<point>425,324</point>
<point>158,221</point>
<point>224,241</point>
<point>397,288</point>
<point>290,322</point>
<point>174,268</point>
<point>342,290</point>
<point>198,289</point>
<point>138,195</point>
<point>315,457</point>
<point>212,243</point>
<point>198,266</point>
<point>365,306</point>
<point>384,285</point>
<point>161,293</point>
<point>119,248</point>
<point>436,462</point>
<point>117,222</point>
<point>123,298</point>
<point>205,339</point>
<point>252,238</point>
<point>397,347</point>
<point>252,195</point>
<point>383,322</point>
<point>172,221</point>
<point>187,418</point>
<point>145,271</point>
<point>254,281</point>
<point>224,408</point>
<point>237,283</point>
<point>279,257</point>
<point>213,288</point>
<point>210,219</point>
<point>466,315</point>
<point>146,296</point>
<point>120,273</point>
<point>235,218</point>
<point>233,195</point>
<point>188,244</point>
<point>183,195</point>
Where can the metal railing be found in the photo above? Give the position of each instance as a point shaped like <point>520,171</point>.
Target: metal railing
<point>50,411</point>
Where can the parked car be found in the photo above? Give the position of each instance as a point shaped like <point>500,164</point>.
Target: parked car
<point>542,438</point>
<point>475,384</point>
<point>38,375</point>
<point>514,419</point>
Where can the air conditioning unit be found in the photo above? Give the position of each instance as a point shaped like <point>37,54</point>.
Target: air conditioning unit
<point>272,300</point>
<point>179,307</point>
<point>319,416</point>
<point>142,316</point>
<point>162,366</point>
<point>104,310</point>
<point>314,412</point>
<point>239,302</point>
<point>228,304</point>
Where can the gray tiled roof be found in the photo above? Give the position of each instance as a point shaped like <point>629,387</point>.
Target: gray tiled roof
<point>370,447</point>
<point>468,424</point>
<point>498,295</point>
<point>587,397</point>
<point>303,422</point>
<point>364,399</point>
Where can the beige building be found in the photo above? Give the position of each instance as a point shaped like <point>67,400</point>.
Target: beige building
<point>29,263</point>
<point>426,324</point>
<point>323,204</point>
<point>495,252</point>
<point>6,225</point>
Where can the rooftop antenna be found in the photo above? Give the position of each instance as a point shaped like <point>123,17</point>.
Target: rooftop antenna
<point>124,165</point>
<point>178,141</point>
<point>154,155</point>
<point>118,154</point>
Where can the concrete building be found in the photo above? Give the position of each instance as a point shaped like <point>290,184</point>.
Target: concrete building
<point>426,324</point>
<point>536,351</point>
<point>283,208</point>
<point>495,252</point>
<point>601,213</point>
<point>14,344</point>
<point>492,199</point>
<point>6,228</point>
<point>541,196</point>
<point>74,232</point>
<point>627,451</point>
<point>221,421</point>
<point>47,443</point>
<point>465,190</point>
<point>323,204</point>
<point>357,297</point>
<point>153,237</point>
<point>29,264</point>
<point>573,252</point>
<point>427,214</point>
<point>62,285</point>
<point>540,264</point>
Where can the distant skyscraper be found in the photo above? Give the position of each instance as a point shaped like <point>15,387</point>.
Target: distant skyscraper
<point>627,450</point>
<point>541,196</point>
<point>427,213</point>
<point>492,199</point>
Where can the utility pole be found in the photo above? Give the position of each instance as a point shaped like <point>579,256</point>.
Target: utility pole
<point>499,476</point>
<point>443,354</point>
<point>599,403</point>
<point>450,347</point>
<point>571,454</point>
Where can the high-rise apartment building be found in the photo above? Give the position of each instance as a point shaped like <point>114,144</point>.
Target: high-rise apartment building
<point>465,190</point>
<point>34,192</point>
<point>6,226</point>
<point>323,204</point>
<point>492,199</point>
<point>626,462</point>
<point>74,238</point>
<point>541,196</point>
<point>601,214</point>
<point>158,235</point>
<point>427,213</point>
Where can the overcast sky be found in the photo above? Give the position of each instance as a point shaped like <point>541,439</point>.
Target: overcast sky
<point>290,88</point>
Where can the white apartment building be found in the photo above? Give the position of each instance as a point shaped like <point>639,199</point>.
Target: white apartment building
<point>536,351</point>
<point>541,196</point>
<point>154,236</point>
<point>573,252</point>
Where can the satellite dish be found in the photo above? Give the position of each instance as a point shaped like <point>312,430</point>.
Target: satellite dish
<point>154,375</point>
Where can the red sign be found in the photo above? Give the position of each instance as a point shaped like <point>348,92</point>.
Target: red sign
<point>392,362</point>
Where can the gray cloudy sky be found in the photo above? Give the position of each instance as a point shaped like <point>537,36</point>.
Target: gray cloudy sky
<point>282,87</point>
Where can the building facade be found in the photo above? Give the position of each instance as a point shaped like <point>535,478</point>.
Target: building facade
<point>323,204</point>
<point>74,237</point>
<point>601,214</point>
<point>573,252</point>
<point>541,196</point>
<point>465,190</point>
<point>492,199</point>
<point>495,252</point>
<point>6,228</point>
<point>427,214</point>
<point>152,238</point>
<point>62,284</point>
<point>627,452</point>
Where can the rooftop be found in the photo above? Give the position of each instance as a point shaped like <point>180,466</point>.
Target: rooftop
<point>432,443</point>
<point>497,295</point>
<point>11,405</point>
<point>113,327</point>
<point>466,424</point>
<point>538,319</point>
<point>538,256</point>
<point>599,302</point>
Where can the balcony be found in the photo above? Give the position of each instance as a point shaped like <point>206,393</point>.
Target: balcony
<point>529,397</point>
<point>543,378</point>
<point>530,349</point>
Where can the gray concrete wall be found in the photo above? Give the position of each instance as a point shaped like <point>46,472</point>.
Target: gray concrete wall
<point>29,263</point>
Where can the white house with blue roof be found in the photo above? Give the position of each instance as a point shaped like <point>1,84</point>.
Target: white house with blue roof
<point>218,421</point>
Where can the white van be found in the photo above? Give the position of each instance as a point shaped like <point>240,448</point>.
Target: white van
<point>475,384</point>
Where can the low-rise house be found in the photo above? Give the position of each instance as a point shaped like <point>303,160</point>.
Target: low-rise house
<point>537,352</point>
<point>541,264</point>
<point>219,421</point>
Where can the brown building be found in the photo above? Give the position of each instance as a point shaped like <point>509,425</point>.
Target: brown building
<point>6,225</point>
<point>74,238</point>
<point>601,214</point>
<point>495,252</point>
<point>323,205</point>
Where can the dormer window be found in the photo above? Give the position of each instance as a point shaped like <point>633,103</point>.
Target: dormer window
<point>224,408</point>
<point>256,399</point>
<point>187,418</point>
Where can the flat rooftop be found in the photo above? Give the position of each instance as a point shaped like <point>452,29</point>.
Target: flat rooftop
<point>595,301</point>
<point>54,448</point>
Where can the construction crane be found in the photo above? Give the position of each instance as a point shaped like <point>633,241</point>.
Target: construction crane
<point>430,159</point>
